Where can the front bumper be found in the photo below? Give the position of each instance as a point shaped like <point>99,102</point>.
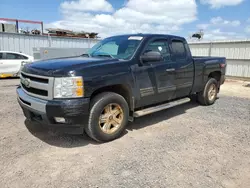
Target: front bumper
<point>75,111</point>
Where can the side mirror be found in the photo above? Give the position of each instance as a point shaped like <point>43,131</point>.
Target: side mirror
<point>151,56</point>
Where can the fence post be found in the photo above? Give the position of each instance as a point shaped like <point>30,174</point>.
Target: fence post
<point>210,49</point>
<point>49,40</point>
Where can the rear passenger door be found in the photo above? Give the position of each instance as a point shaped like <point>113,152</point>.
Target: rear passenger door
<point>184,67</point>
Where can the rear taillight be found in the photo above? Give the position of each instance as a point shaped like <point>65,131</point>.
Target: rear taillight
<point>223,65</point>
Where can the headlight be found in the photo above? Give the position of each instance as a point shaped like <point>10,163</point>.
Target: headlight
<point>68,87</point>
<point>24,63</point>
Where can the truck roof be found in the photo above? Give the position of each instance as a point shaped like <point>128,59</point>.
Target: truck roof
<point>153,35</point>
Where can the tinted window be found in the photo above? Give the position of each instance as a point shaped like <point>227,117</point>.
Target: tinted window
<point>15,56</point>
<point>178,49</point>
<point>24,57</point>
<point>1,55</point>
<point>188,52</point>
<point>159,46</point>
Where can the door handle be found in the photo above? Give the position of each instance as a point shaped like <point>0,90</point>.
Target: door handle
<point>170,70</point>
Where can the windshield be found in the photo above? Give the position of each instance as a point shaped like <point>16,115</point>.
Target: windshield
<point>120,47</point>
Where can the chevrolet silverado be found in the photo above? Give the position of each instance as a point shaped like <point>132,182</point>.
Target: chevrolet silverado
<point>119,79</point>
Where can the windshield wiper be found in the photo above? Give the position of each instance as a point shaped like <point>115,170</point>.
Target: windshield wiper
<point>104,55</point>
<point>86,55</point>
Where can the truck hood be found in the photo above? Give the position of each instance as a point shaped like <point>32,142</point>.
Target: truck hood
<point>62,66</point>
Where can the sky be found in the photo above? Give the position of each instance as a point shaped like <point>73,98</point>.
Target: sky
<point>219,19</point>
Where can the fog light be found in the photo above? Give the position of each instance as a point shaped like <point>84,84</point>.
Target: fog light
<point>60,120</point>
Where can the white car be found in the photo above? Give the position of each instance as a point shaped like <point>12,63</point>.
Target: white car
<point>11,63</point>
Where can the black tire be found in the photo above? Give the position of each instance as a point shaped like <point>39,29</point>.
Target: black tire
<point>193,98</point>
<point>97,105</point>
<point>203,96</point>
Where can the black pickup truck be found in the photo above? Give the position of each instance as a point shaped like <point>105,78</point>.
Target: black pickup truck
<point>120,78</point>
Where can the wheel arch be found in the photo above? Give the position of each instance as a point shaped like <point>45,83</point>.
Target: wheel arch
<point>121,89</point>
<point>215,74</point>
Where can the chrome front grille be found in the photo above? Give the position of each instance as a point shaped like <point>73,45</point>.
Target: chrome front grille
<point>37,86</point>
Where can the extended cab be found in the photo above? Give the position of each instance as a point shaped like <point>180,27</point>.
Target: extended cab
<point>120,78</point>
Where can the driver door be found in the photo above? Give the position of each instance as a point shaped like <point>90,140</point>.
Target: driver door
<point>156,80</point>
<point>164,71</point>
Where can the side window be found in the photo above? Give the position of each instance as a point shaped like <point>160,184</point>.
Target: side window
<point>14,56</point>
<point>24,57</point>
<point>128,48</point>
<point>179,49</point>
<point>1,55</point>
<point>188,50</point>
<point>159,46</point>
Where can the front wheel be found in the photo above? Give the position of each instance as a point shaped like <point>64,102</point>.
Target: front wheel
<point>209,93</point>
<point>108,117</point>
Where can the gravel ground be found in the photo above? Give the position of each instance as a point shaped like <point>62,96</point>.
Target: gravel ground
<point>186,146</point>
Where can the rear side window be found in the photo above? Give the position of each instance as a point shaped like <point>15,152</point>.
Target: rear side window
<point>179,49</point>
<point>1,55</point>
<point>24,57</point>
<point>15,56</point>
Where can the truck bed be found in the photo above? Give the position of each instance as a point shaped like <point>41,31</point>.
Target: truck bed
<point>209,58</point>
<point>203,65</point>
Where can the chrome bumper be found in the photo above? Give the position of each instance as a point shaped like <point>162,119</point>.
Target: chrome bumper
<point>42,111</point>
<point>32,103</point>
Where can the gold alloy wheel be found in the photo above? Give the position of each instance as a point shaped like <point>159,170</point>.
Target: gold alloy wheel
<point>212,92</point>
<point>111,118</point>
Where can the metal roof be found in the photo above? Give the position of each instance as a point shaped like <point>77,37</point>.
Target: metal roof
<point>218,41</point>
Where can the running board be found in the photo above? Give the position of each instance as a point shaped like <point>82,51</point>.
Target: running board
<point>160,107</point>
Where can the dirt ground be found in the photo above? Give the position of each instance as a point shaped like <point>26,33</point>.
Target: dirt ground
<point>186,146</point>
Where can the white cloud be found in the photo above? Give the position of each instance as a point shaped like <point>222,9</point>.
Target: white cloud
<point>137,16</point>
<point>217,34</point>
<point>247,29</point>
<point>87,5</point>
<point>221,21</point>
<point>161,11</point>
<point>218,21</point>
<point>221,3</point>
<point>203,26</point>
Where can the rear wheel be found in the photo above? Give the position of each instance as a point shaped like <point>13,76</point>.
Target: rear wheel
<point>108,117</point>
<point>209,93</point>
